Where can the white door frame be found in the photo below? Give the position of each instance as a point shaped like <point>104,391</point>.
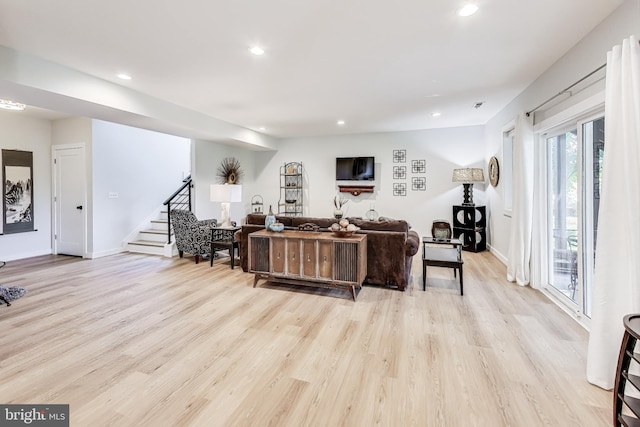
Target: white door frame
<point>54,206</point>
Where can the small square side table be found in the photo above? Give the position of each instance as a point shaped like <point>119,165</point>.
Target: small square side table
<point>441,253</point>
<point>224,238</point>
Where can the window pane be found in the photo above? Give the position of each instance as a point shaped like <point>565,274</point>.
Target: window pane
<point>593,137</point>
<point>562,151</point>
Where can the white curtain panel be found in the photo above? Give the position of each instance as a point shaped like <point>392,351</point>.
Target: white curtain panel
<point>616,284</point>
<point>539,261</point>
<point>519,254</point>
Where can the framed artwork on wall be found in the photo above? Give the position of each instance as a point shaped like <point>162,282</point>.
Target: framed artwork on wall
<point>419,166</point>
<point>399,172</point>
<point>399,189</point>
<point>399,156</point>
<point>17,197</point>
<point>419,183</point>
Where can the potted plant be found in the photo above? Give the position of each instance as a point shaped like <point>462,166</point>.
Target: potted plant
<point>339,202</point>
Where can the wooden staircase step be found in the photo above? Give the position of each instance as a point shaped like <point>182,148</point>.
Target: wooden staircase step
<point>154,231</point>
<point>159,224</point>
<point>147,243</point>
<point>147,247</point>
<point>154,234</point>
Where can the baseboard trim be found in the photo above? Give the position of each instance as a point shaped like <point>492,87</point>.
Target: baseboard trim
<point>93,255</point>
<point>497,254</point>
<point>27,255</point>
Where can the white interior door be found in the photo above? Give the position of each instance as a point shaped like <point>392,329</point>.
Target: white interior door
<point>69,200</point>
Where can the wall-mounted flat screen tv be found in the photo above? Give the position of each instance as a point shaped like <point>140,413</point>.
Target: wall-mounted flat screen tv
<point>355,168</point>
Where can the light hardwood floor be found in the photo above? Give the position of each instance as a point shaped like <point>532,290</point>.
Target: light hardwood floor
<point>138,340</point>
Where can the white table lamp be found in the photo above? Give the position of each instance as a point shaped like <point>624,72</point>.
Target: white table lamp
<point>225,194</point>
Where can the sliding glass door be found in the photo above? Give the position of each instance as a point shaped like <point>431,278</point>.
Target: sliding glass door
<point>562,213</point>
<point>593,140</point>
<point>574,174</point>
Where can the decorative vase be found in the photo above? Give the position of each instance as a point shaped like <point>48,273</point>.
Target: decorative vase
<point>337,214</point>
<point>270,219</point>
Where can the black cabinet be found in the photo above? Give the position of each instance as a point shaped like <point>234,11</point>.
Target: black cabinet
<point>469,225</point>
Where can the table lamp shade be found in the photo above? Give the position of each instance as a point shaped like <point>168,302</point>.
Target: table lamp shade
<point>230,193</point>
<point>467,176</point>
<point>225,194</point>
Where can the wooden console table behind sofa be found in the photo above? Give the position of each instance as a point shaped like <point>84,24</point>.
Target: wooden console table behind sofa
<point>309,258</point>
<point>391,245</point>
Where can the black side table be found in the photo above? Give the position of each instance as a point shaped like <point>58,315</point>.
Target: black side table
<point>469,225</point>
<point>625,380</point>
<point>446,254</point>
<point>224,238</point>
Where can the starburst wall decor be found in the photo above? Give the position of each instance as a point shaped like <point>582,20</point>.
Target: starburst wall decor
<point>229,171</point>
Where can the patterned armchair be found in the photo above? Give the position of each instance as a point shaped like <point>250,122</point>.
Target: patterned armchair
<point>191,235</point>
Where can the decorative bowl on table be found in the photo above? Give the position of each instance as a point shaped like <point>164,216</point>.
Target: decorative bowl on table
<point>343,228</point>
<point>277,226</point>
<point>344,233</point>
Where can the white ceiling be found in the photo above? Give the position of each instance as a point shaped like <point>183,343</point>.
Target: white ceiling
<point>378,65</point>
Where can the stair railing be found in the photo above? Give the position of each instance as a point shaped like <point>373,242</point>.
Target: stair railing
<point>181,199</point>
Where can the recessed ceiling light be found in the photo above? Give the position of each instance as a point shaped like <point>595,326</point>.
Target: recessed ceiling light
<point>468,10</point>
<point>123,76</point>
<point>10,105</point>
<point>256,50</point>
<point>340,122</point>
<point>435,114</point>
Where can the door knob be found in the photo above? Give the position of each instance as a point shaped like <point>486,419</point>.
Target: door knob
<point>79,207</point>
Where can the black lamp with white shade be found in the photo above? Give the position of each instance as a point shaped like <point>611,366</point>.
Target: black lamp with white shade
<point>467,176</point>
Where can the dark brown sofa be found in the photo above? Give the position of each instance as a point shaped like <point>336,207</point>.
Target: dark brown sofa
<point>391,245</point>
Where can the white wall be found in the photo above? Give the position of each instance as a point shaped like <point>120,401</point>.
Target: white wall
<point>142,167</point>
<point>443,150</point>
<point>586,56</point>
<point>207,156</point>
<point>20,132</point>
